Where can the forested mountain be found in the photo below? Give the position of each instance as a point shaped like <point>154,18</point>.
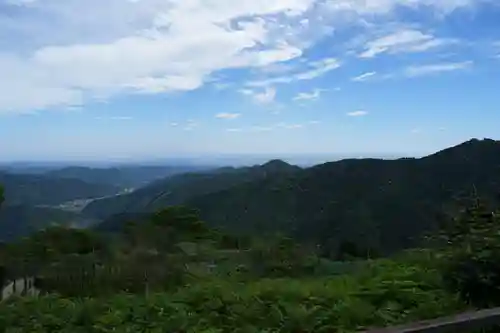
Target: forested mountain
<point>204,277</point>
<point>180,188</point>
<point>379,205</point>
<point>43,190</point>
<point>126,176</point>
<point>19,221</point>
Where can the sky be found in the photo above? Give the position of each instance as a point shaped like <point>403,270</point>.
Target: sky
<point>146,79</point>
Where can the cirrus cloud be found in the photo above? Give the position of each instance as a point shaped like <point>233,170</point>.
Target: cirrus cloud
<point>359,113</point>
<point>403,41</point>
<point>224,115</point>
<point>429,69</point>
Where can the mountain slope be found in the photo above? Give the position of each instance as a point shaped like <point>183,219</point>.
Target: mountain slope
<point>178,189</point>
<point>127,176</point>
<point>19,221</point>
<point>381,204</point>
<point>43,190</point>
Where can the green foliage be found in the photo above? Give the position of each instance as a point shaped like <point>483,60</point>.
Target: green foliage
<point>31,189</point>
<point>148,256</point>
<point>166,228</point>
<point>281,256</point>
<point>471,253</point>
<point>385,293</point>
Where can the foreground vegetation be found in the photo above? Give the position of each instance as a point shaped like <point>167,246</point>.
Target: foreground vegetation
<point>172,273</point>
<point>385,294</point>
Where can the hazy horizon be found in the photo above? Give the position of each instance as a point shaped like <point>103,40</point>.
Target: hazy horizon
<point>199,160</point>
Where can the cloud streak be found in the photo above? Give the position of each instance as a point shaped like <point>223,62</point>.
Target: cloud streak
<point>304,96</point>
<point>266,96</point>
<point>403,41</point>
<point>359,113</point>
<point>227,116</point>
<point>430,69</point>
<point>316,69</point>
<point>364,77</point>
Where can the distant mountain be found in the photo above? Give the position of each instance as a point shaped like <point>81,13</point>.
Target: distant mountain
<point>22,220</point>
<point>180,188</point>
<point>384,205</point>
<point>126,176</point>
<point>43,190</point>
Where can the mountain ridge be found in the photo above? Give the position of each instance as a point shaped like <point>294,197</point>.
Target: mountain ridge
<point>382,204</point>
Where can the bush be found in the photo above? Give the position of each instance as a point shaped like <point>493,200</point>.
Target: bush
<point>471,255</point>
<point>382,294</point>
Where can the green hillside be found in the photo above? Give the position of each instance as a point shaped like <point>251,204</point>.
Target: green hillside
<point>20,221</point>
<point>180,188</point>
<point>379,205</point>
<point>21,189</point>
<point>173,273</point>
<point>124,177</point>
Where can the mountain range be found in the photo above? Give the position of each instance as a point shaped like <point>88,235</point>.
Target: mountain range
<point>126,176</point>
<point>378,205</point>
<point>383,205</point>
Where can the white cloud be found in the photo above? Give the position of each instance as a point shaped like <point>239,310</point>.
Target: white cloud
<point>403,41</point>
<point>266,96</point>
<point>90,49</point>
<point>316,69</point>
<point>320,68</point>
<point>414,71</point>
<point>357,113</point>
<point>224,115</point>
<point>314,122</point>
<point>364,77</point>
<point>64,53</point>
<point>308,96</point>
<point>234,130</point>
<point>416,131</point>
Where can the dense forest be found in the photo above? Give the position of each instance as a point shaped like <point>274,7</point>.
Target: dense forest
<point>382,206</point>
<point>172,273</point>
<point>339,247</point>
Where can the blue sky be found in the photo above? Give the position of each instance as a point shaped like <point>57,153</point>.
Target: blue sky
<point>143,79</point>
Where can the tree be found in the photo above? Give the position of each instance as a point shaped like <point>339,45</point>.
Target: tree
<point>280,256</point>
<point>471,252</point>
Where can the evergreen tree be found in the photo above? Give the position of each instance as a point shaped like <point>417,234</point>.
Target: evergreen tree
<point>471,250</point>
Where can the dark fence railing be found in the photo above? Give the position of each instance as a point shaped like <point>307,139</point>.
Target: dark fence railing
<point>467,322</point>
